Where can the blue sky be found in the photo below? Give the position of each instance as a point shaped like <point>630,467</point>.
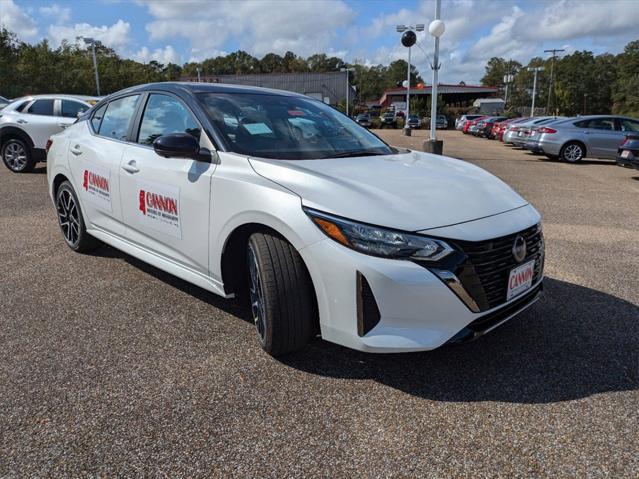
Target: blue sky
<point>357,30</point>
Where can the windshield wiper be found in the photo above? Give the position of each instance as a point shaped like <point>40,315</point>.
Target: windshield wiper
<point>350,154</point>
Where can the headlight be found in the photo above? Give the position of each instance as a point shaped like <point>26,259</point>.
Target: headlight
<point>378,241</point>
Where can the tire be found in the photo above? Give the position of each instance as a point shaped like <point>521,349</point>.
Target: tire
<point>572,152</point>
<point>282,298</point>
<point>71,221</point>
<point>17,156</point>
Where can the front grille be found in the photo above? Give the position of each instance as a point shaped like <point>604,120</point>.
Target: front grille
<point>484,273</point>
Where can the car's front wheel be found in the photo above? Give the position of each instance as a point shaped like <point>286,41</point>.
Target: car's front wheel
<point>572,152</point>
<point>71,221</point>
<point>16,155</point>
<point>282,298</point>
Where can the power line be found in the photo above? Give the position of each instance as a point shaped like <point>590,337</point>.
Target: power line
<point>551,84</point>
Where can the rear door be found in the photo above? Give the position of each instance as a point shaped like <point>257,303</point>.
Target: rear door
<point>166,201</point>
<point>603,138</point>
<point>95,153</point>
<point>39,120</point>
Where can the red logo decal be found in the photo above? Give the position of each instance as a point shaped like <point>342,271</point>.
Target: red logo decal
<point>85,183</point>
<point>143,202</point>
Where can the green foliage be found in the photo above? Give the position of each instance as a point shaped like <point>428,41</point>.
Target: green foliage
<point>584,83</point>
<point>31,69</point>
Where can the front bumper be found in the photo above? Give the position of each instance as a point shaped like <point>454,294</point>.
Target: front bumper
<point>417,310</point>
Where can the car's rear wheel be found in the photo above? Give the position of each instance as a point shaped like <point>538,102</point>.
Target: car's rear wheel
<point>572,152</point>
<point>283,302</point>
<point>17,156</point>
<point>71,221</point>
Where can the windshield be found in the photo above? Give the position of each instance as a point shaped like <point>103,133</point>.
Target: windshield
<point>288,127</point>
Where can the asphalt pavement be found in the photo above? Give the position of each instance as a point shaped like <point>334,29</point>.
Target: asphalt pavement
<point>112,367</point>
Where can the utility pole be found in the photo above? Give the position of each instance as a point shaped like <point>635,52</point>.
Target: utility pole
<point>534,93</point>
<point>551,84</point>
<point>199,78</point>
<point>508,78</point>
<point>348,86</point>
<point>409,38</point>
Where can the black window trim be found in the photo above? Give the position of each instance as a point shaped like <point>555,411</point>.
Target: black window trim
<point>137,121</point>
<point>26,107</point>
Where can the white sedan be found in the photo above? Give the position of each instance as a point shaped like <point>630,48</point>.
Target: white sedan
<point>281,199</point>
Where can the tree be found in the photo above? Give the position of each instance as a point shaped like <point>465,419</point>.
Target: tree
<point>626,96</point>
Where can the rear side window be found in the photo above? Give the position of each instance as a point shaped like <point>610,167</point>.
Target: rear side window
<point>70,109</point>
<point>117,118</point>
<point>629,125</point>
<point>602,124</point>
<point>97,118</point>
<point>41,107</point>
<point>163,115</point>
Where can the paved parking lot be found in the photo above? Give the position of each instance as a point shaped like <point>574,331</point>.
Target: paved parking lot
<point>109,366</point>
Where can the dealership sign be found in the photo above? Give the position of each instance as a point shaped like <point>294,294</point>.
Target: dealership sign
<point>96,186</point>
<point>159,207</point>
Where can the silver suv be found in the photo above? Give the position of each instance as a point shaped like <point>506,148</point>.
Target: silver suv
<point>596,136</point>
<point>27,123</point>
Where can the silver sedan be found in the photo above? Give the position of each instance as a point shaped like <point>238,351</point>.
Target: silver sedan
<point>596,136</point>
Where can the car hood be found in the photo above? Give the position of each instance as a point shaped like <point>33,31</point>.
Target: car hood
<point>409,191</point>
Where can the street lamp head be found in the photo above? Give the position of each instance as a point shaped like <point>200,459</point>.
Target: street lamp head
<point>436,28</point>
<point>419,27</point>
<point>402,28</point>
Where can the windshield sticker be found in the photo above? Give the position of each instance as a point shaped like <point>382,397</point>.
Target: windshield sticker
<point>257,128</point>
<point>96,186</point>
<point>159,208</point>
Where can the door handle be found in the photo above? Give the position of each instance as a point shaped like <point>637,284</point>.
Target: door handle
<point>130,167</point>
<point>21,121</point>
<point>76,150</point>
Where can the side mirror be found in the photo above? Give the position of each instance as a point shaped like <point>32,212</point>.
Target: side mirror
<point>180,145</point>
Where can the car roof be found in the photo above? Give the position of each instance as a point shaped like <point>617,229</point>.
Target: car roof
<point>199,87</point>
<point>60,96</point>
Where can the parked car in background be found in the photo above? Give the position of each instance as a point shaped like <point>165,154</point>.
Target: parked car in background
<point>471,125</point>
<point>441,122</point>
<point>350,238</point>
<point>594,136</point>
<point>485,126</point>
<point>27,123</point>
<point>629,151</point>
<point>501,127</point>
<point>526,130</point>
<point>516,134</point>
<point>414,121</point>
<point>364,119</point>
<point>461,121</point>
<point>388,120</point>
<point>4,102</point>
<point>531,142</point>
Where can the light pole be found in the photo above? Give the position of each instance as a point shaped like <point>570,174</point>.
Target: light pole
<point>199,78</point>
<point>551,85</point>
<point>436,29</point>
<point>92,42</point>
<point>535,70</point>
<point>348,85</point>
<point>409,38</point>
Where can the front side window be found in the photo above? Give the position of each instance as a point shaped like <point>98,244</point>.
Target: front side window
<point>41,107</point>
<point>71,109</point>
<point>287,127</point>
<point>163,115</point>
<point>117,117</point>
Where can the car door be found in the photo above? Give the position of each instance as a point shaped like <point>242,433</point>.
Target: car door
<point>95,153</point>
<point>166,201</point>
<point>68,111</point>
<point>39,120</point>
<point>602,138</point>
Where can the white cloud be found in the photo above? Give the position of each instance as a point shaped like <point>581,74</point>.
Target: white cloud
<point>162,55</point>
<point>257,26</point>
<point>13,18</point>
<point>60,14</point>
<point>115,36</point>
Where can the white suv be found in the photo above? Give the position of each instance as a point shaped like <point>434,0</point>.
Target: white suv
<point>322,225</point>
<point>27,123</point>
